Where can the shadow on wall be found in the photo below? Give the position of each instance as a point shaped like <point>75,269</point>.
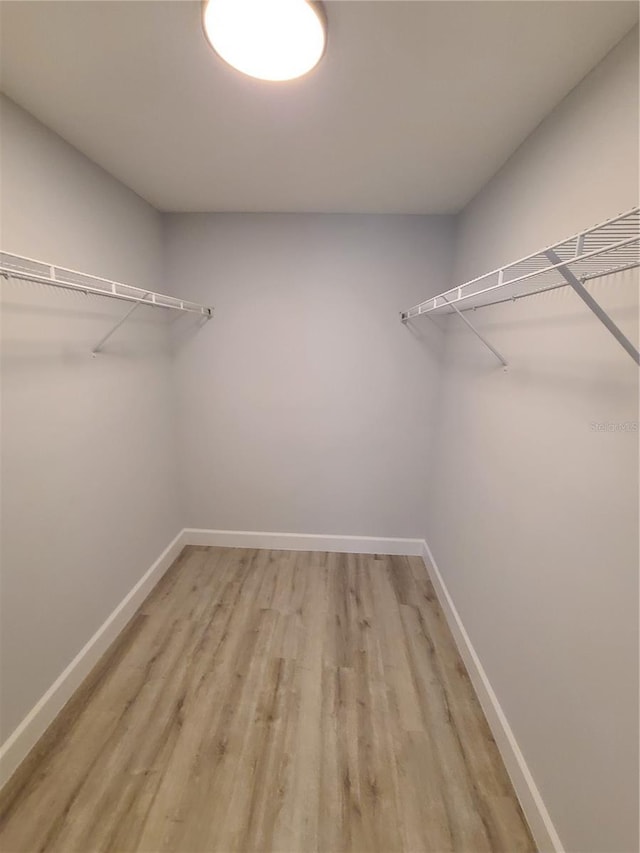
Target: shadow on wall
<point>184,327</point>
<point>429,334</point>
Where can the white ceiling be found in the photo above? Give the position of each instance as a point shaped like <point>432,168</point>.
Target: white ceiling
<point>413,108</point>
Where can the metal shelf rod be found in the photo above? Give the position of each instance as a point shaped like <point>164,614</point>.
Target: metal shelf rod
<point>125,317</point>
<point>28,269</point>
<point>479,335</point>
<point>181,305</point>
<point>599,251</point>
<point>422,308</point>
<point>597,309</point>
<point>608,223</point>
<point>557,286</point>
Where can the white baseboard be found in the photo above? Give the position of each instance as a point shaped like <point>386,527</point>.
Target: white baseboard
<point>17,746</point>
<point>303,542</point>
<point>544,832</point>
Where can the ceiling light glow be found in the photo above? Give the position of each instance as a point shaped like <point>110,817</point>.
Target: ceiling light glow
<point>267,39</point>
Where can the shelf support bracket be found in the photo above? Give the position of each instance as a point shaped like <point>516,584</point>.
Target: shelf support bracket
<point>489,346</point>
<point>597,309</point>
<point>124,318</point>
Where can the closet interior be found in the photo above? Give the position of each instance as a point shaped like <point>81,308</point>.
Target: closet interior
<point>319,476</point>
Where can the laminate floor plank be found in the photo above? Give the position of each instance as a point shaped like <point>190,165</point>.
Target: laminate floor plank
<point>272,701</point>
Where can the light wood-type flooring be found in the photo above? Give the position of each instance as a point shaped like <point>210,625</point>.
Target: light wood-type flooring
<point>272,701</point>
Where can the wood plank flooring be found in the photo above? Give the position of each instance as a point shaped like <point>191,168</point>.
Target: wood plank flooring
<point>272,701</point>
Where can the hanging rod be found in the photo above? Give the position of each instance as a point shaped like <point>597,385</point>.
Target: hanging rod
<point>605,249</point>
<point>556,286</point>
<point>28,269</point>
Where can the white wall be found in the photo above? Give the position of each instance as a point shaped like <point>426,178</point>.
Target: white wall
<point>305,405</point>
<point>533,514</point>
<point>88,499</point>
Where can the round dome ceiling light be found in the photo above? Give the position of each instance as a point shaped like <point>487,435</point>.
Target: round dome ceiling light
<point>267,39</point>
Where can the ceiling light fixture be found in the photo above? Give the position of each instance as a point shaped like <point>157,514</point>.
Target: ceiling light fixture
<point>267,39</point>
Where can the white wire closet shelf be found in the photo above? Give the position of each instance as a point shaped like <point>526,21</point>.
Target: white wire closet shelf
<point>611,247</point>
<point>27,269</point>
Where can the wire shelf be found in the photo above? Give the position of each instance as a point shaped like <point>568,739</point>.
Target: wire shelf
<point>612,246</point>
<point>28,269</point>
